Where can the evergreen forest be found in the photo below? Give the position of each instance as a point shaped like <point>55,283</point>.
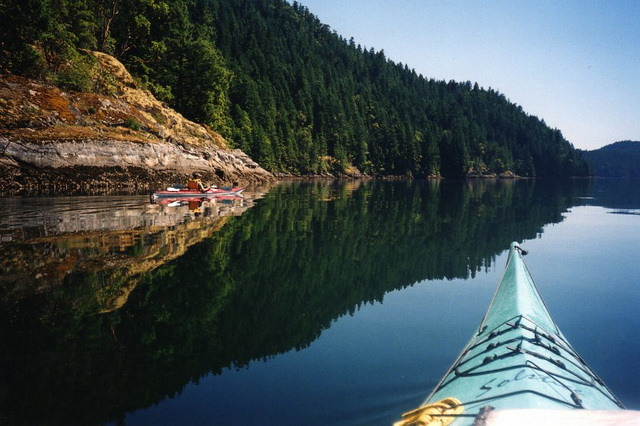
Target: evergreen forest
<point>620,159</point>
<point>285,88</point>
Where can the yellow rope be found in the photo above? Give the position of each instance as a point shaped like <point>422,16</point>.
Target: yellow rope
<point>439,413</point>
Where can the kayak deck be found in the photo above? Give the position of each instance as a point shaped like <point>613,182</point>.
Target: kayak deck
<point>519,358</point>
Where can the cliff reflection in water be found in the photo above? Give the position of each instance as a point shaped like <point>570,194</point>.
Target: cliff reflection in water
<point>48,242</point>
<point>266,282</point>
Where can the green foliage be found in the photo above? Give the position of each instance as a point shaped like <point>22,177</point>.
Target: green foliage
<point>132,123</point>
<point>202,84</point>
<point>22,24</point>
<point>620,159</point>
<point>279,84</point>
<point>333,98</point>
<point>77,73</point>
<point>41,38</point>
<point>104,82</point>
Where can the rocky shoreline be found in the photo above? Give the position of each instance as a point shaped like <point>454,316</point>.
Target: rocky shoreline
<point>109,166</point>
<point>54,142</point>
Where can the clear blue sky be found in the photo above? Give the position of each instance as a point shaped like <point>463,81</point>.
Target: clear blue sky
<point>573,63</point>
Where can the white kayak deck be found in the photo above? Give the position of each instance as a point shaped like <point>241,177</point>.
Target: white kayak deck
<point>533,417</point>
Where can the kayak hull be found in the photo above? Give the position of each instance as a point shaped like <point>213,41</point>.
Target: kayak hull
<point>194,194</point>
<point>519,358</point>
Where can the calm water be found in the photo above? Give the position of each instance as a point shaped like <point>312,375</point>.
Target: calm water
<point>312,304</point>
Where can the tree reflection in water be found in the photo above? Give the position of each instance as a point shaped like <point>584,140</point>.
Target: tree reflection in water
<point>241,288</point>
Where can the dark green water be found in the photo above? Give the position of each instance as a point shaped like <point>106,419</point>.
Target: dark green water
<point>316,304</point>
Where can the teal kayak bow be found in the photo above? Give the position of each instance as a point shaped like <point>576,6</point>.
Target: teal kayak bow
<point>518,359</point>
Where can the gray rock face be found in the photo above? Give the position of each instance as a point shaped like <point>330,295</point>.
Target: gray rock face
<point>160,156</point>
<point>106,165</point>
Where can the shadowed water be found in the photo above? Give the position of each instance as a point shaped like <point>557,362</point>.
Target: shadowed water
<point>322,303</point>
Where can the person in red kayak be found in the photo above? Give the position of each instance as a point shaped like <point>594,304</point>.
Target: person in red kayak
<point>195,183</point>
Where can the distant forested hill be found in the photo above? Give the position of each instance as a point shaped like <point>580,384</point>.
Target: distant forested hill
<point>620,159</point>
<point>285,88</point>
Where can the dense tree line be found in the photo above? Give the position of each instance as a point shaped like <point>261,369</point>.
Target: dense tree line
<point>620,159</point>
<point>285,88</point>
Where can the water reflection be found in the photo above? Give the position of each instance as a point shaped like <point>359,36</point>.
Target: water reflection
<point>201,296</point>
<point>621,195</point>
<point>23,219</point>
<point>45,242</point>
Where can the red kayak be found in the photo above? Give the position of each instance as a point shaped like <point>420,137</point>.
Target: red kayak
<point>184,193</point>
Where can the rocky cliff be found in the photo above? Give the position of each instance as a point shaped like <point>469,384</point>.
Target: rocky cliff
<point>124,141</point>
